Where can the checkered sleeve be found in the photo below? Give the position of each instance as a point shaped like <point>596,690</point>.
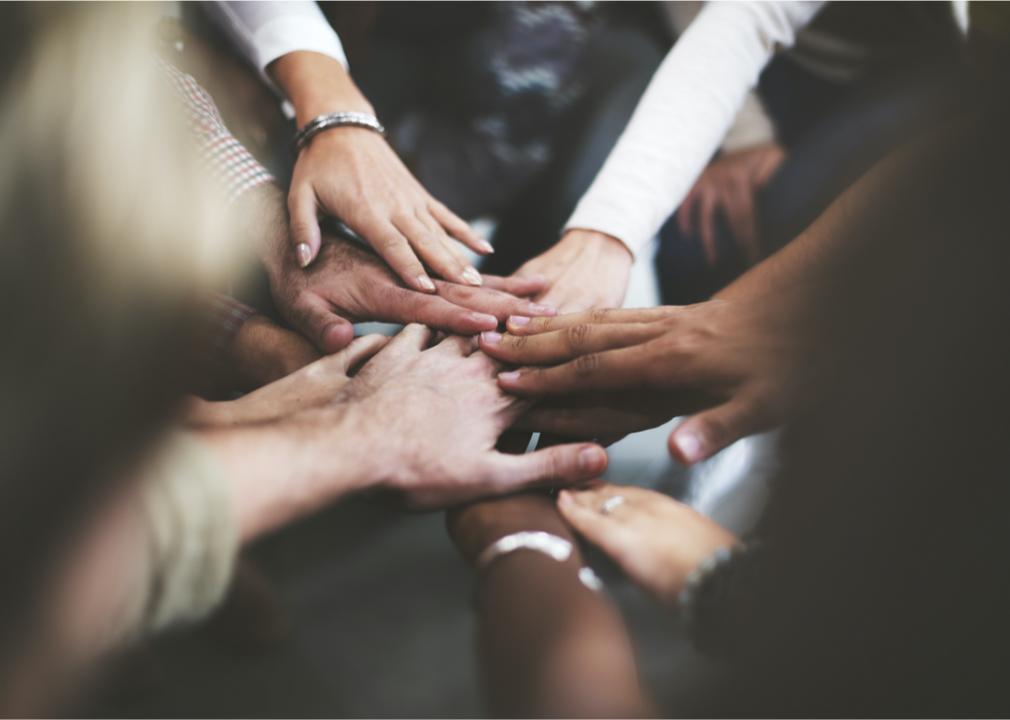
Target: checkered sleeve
<point>226,158</point>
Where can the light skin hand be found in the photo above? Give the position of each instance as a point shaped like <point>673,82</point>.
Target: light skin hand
<point>584,270</point>
<point>262,352</point>
<point>656,540</point>
<point>729,185</point>
<point>350,284</point>
<point>353,174</point>
<point>735,365</point>
<point>314,385</point>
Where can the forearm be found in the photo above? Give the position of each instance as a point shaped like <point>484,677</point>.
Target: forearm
<point>548,645</point>
<point>280,472</point>
<point>316,84</point>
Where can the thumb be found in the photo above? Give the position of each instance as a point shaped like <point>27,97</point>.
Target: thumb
<point>305,234</point>
<point>557,465</point>
<point>316,321</point>
<point>703,435</point>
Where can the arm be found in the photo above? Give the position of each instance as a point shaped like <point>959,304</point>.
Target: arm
<point>548,645</point>
<point>684,115</point>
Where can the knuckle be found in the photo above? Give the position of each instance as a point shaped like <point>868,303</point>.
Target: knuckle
<point>586,364</point>
<point>576,336</point>
<point>520,342</point>
<point>598,315</point>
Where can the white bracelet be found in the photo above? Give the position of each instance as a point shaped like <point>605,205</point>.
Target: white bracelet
<point>543,542</point>
<point>332,120</point>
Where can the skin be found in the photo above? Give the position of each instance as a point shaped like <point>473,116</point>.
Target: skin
<point>354,174</point>
<point>737,364</point>
<point>262,352</point>
<point>584,270</point>
<point>548,646</point>
<point>349,284</point>
<point>443,448</point>
<point>730,185</point>
<point>618,371</point>
<point>656,540</point>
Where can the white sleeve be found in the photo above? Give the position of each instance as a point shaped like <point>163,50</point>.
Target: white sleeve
<point>684,115</point>
<point>264,31</point>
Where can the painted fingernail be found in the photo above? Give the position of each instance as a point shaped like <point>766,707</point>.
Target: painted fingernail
<point>487,247</point>
<point>689,444</point>
<point>304,253</point>
<point>425,282</point>
<point>518,320</point>
<point>541,310</point>
<point>591,459</point>
<point>472,276</point>
<point>490,338</point>
<point>510,376</point>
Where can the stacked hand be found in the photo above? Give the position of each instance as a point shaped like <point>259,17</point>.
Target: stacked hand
<point>656,540</point>
<point>606,373</point>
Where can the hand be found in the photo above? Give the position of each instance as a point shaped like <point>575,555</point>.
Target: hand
<point>432,418</point>
<point>347,283</point>
<point>730,185</point>
<point>740,363</point>
<point>656,540</point>
<point>353,174</point>
<point>584,270</point>
<point>313,385</point>
<point>262,352</point>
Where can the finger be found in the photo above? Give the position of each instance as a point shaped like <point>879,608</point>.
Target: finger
<point>412,338</point>
<point>457,345</point>
<point>431,248</point>
<point>707,207</point>
<point>740,214</point>
<point>607,532</point>
<point>492,302</point>
<point>556,465</point>
<point>563,345</point>
<point>396,251</point>
<point>685,214</point>
<point>361,351</point>
<point>404,305</point>
<point>703,435</point>
<point>304,222</point>
<point>610,370</point>
<point>523,325</point>
<point>515,285</point>
<point>315,319</point>
<point>458,228</point>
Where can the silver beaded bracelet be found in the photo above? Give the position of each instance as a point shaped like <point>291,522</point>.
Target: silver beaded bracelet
<point>332,120</point>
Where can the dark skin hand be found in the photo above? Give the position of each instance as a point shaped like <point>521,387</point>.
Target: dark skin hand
<point>736,363</point>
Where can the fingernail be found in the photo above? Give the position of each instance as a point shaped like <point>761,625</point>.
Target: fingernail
<point>518,320</point>
<point>510,376</point>
<point>487,247</point>
<point>591,460</point>
<point>540,310</point>
<point>472,276</point>
<point>564,497</point>
<point>490,338</point>
<point>304,253</point>
<point>689,444</point>
<point>425,282</point>
<point>488,321</point>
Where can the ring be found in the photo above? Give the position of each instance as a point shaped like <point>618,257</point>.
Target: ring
<point>611,504</point>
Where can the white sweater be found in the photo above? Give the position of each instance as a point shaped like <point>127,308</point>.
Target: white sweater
<point>684,115</point>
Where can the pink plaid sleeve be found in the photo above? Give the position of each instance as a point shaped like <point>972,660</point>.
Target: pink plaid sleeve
<point>227,159</point>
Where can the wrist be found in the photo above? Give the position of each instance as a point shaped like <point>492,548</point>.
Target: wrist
<point>317,84</point>
<point>476,526</point>
<point>601,242</point>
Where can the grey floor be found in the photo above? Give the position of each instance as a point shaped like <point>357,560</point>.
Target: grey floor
<point>379,606</point>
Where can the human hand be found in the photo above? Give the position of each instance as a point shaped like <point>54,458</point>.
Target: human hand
<point>655,540</point>
<point>262,351</point>
<point>313,385</point>
<point>730,185</point>
<point>739,363</point>
<point>432,418</point>
<point>349,284</point>
<point>584,270</point>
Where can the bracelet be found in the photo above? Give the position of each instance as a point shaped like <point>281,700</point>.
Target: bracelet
<point>543,542</point>
<point>332,120</point>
